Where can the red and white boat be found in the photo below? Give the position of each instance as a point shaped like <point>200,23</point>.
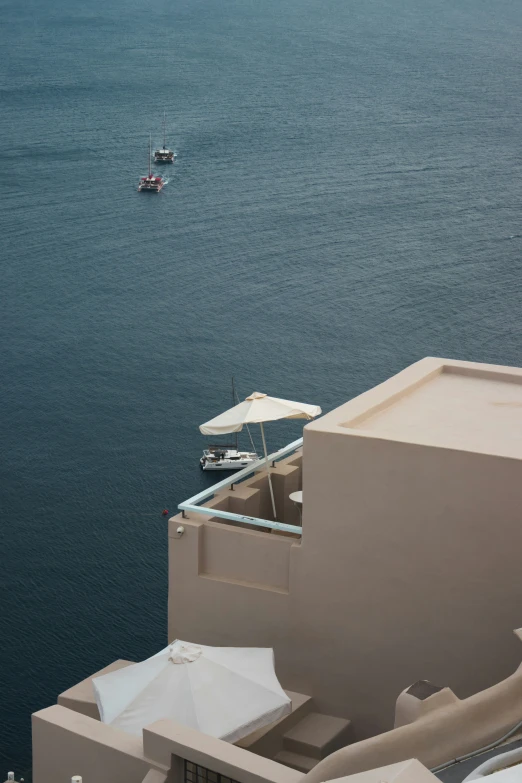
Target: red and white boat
<point>151,183</point>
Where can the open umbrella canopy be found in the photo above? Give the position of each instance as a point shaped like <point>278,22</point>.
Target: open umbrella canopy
<point>256,409</point>
<point>225,692</point>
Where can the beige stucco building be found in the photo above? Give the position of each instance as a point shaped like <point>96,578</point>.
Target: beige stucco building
<point>405,568</point>
<point>408,564</point>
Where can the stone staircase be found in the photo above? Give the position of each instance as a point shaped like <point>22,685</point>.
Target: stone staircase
<point>312,739</point>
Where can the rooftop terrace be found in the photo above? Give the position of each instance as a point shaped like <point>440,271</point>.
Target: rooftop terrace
<point>456,406</point>
<point>439,402</point>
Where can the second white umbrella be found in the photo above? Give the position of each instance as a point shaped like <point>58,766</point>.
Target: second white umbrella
<point>225,692</point>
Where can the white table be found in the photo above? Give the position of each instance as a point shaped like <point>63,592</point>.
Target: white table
<point>297,499</point>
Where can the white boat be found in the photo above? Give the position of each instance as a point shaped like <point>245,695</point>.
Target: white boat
<point>164,155</point>
<point>228,456</point>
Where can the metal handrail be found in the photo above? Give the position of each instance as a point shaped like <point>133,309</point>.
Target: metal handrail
<point>192,503</point>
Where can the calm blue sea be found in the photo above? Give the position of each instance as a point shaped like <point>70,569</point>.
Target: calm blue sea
<point>347,199</point>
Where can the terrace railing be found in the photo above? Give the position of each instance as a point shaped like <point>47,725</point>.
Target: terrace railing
<point>193,504</point>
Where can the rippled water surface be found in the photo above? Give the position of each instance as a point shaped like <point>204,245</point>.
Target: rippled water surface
<point>347,199</point>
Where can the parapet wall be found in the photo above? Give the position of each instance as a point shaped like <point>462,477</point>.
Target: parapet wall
<point>216,569</point>
<point>67,743</point>
<point>247,571</point>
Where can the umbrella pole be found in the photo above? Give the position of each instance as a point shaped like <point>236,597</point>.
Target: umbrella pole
<point>268,471</point>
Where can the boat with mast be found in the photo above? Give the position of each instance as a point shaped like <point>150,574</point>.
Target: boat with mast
<point>164,155</point>
<point>227,456</point>
<point>151,183</point>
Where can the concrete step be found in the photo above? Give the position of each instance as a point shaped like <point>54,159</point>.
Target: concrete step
<point>296,761</point>
<point>318,735</point>
<point>269,740</point>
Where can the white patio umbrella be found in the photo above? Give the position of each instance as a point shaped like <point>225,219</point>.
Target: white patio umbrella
<point>257,409</point>
<point>225,692</point>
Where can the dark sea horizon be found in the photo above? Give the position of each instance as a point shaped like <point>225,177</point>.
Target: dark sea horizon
<point>346,201</point>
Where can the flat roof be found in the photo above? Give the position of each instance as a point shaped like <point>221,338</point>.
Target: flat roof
<point>440,402</point>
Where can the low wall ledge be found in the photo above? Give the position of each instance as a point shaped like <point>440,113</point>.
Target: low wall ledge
<point>163,739</point>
